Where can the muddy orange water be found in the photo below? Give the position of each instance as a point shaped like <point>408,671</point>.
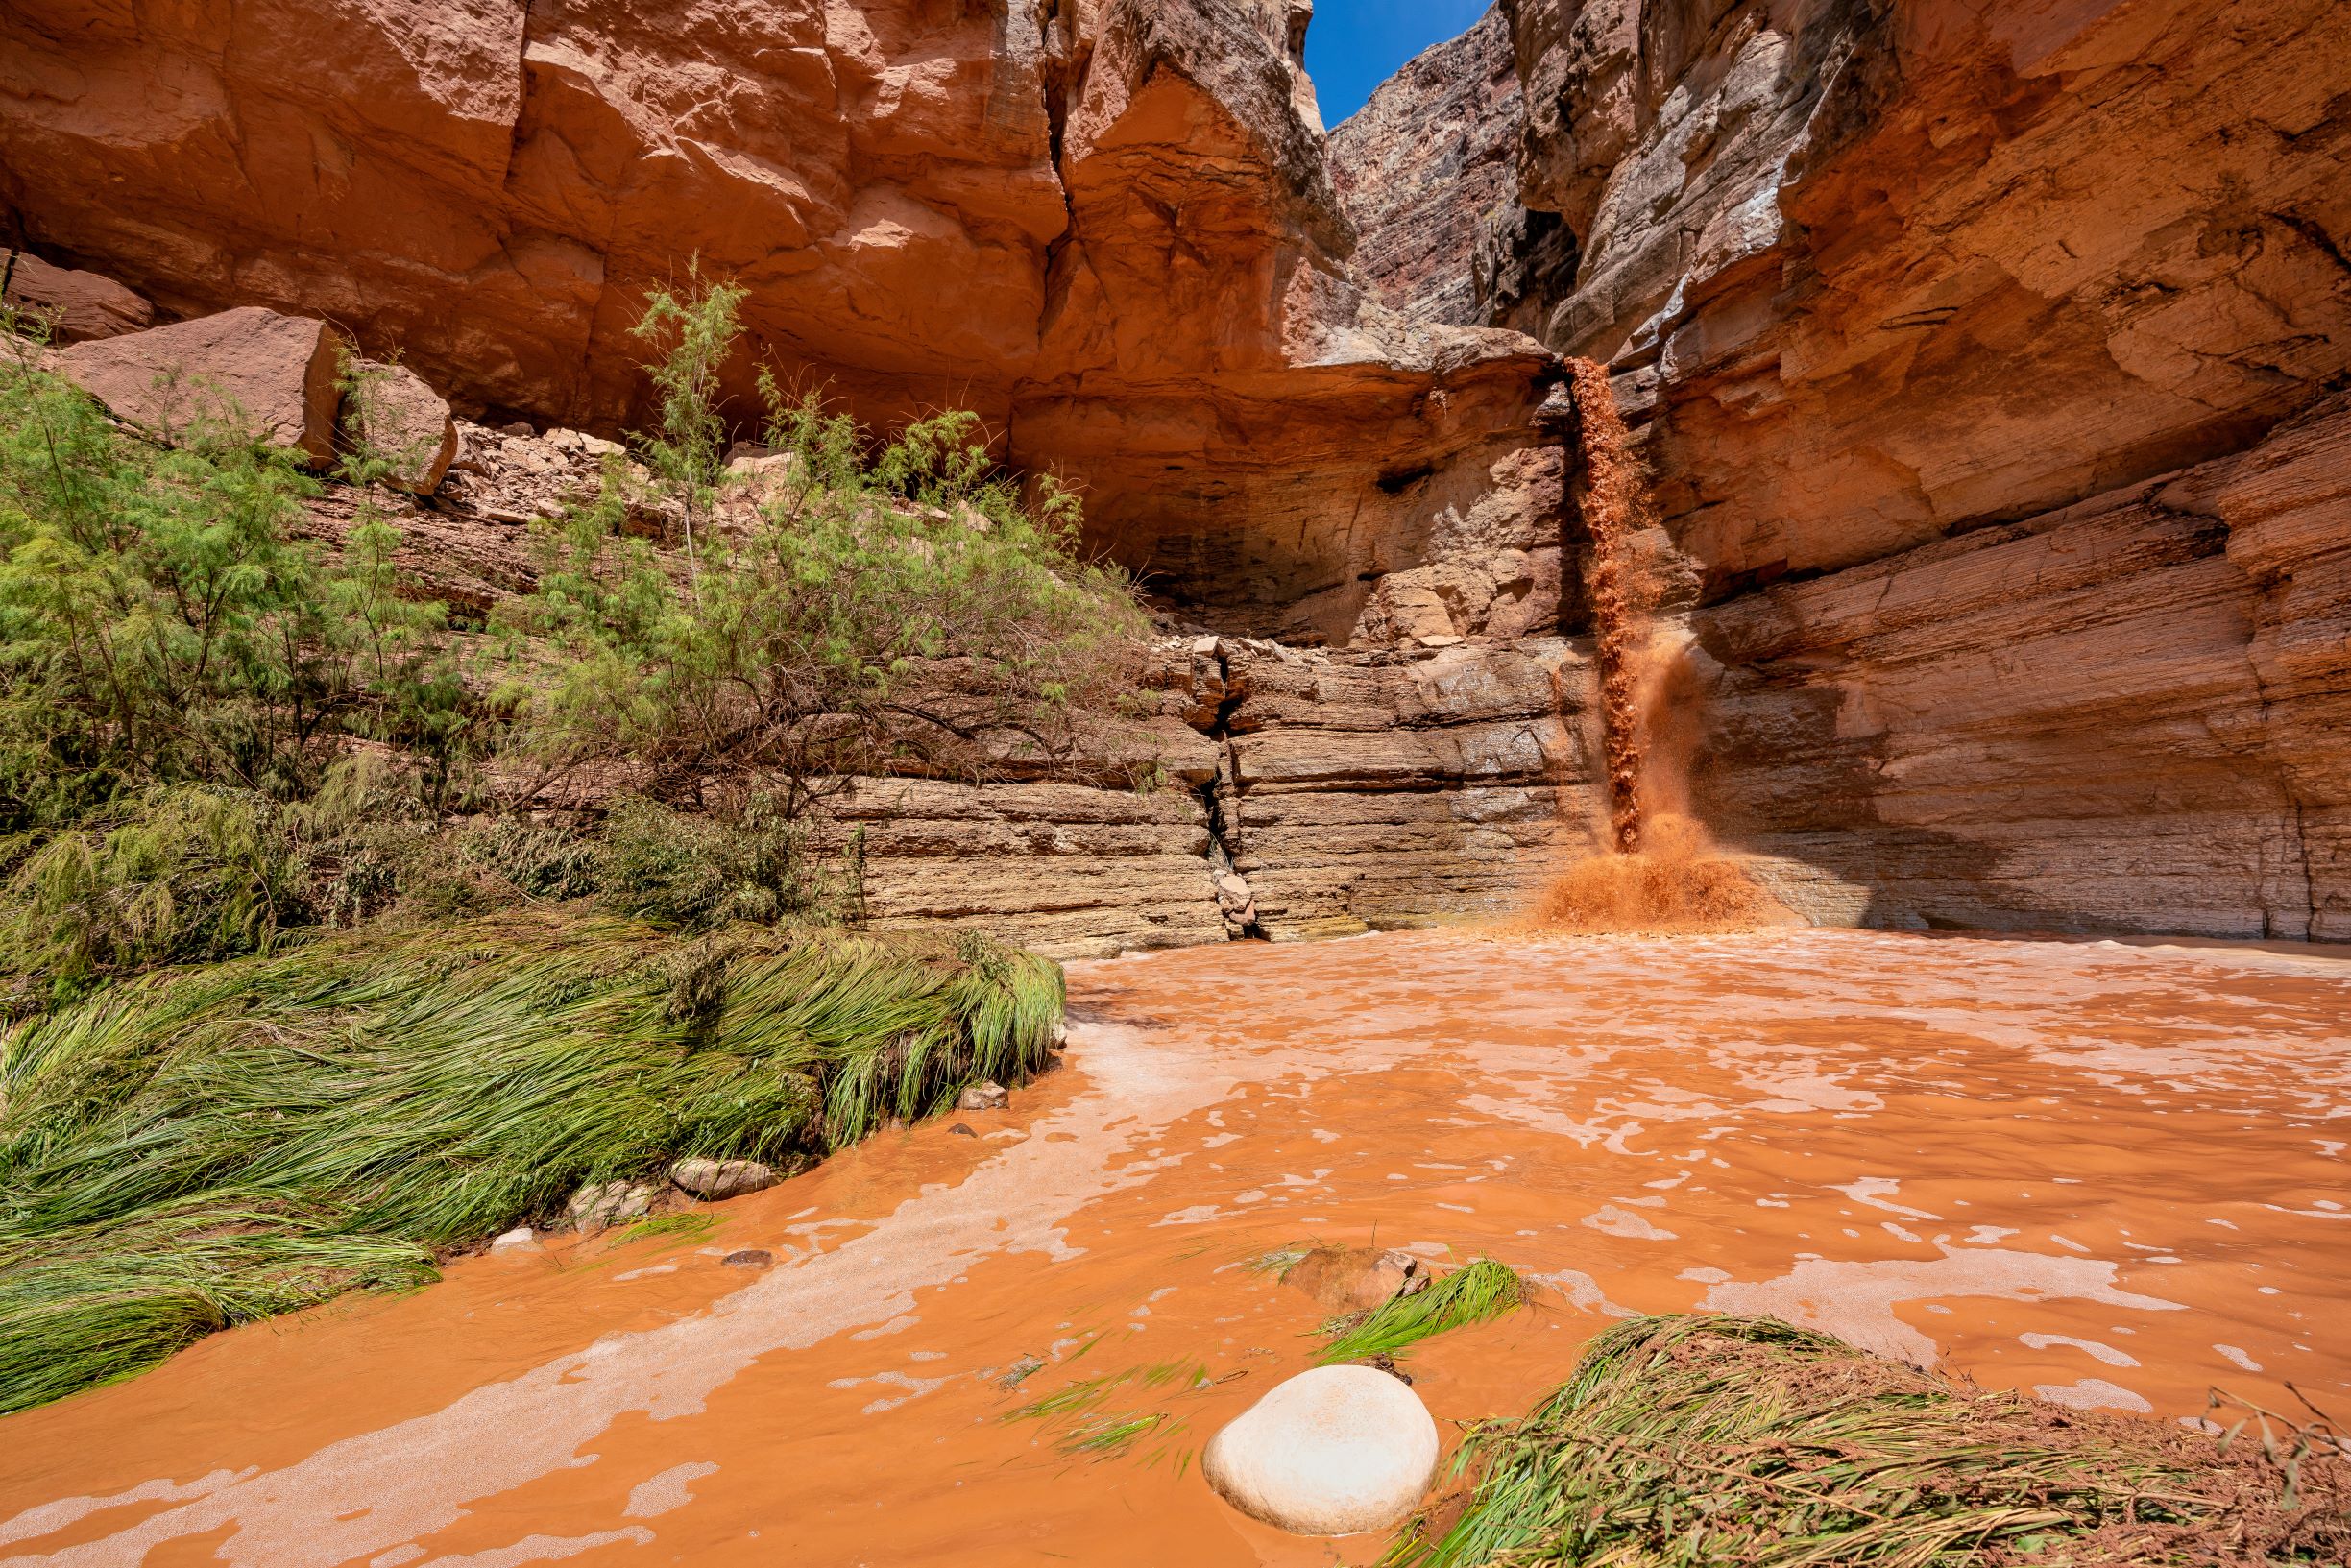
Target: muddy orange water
<point>2112,1174</point>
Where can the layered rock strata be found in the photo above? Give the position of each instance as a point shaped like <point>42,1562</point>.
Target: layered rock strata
<point>1428,167</point>
<point>1985,358</point>
<point>2127,714</point>
<point>1880,272</point>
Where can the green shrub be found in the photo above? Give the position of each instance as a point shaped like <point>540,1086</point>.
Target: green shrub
<point>690,873</point>
<point>188,874</point>
<point>160,624</point>
<point>906,610</point>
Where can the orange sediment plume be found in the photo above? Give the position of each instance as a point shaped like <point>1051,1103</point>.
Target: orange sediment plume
<point>1614,502</point>
<point>1676,883</point>
<point>1764,1103</point>
<point>1659,872</point>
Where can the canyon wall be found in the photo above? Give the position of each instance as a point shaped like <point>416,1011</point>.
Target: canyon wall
<point>1107,226</point>
<point>1989,358</point>
<point>1986,358</point>
<point>1428,166</point>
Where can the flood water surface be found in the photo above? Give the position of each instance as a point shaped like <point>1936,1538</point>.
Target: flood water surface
<point>2110,1175</point>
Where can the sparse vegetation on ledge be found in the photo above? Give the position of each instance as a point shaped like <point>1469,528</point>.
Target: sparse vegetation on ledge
<point>214,736</point>
<point>307,979</point>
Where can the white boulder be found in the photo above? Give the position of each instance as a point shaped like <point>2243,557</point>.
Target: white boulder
<point>1336,1450</point>
<point>717,1179</point>
<point>601,1204</point>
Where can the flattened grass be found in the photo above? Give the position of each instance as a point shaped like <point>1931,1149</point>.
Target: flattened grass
<point>1484,1289</point>
<point>208,1146</point>
<point>1703,1440</point>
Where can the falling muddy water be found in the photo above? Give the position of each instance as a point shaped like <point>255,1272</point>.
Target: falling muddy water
<point>2111,1174</point>
<point>1655,868</point>
<point>1612,497</point>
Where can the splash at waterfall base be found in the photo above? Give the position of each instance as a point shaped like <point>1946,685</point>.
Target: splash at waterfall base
<point>1659,870</point>
<point>1676,883</point>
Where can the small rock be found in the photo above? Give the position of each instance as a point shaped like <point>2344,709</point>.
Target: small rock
<point>717,1179</point>
<point>580,441</point>
<point>522,1235</point>
<point>1235,900</point>
<point>1337,1451</point>
<point>405,420</point>
<point>963,1131</point>
<point>1357,1279</point>
<point>749,1258</point>
<point>250,368</point>
<point>983,1096</point>
<point>604,1203</point>
<point>82,306</point>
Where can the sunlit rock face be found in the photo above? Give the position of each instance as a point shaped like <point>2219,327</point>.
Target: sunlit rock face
<point>492,186</point>
<point>1885,271</point>
<point>2127,714</point>
<point>1427,166</point>
<point>1108,226</point>
<point>1982,351</point>
<point>1256,435</point>
<point>1984,355</point>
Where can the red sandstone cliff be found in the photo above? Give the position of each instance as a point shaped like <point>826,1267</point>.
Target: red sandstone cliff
<point>1106,225</point>
<point>1427,166</point>
<point>1987,355</point>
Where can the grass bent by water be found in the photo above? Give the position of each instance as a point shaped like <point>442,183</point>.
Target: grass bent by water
<point>203,1147</point>
<point>1701,1439</point>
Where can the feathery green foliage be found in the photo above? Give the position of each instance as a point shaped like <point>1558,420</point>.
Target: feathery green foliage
<point>160,624</point>
<point>866,615</point>
<point>210,1146</point>
<point>1484,1289</point>
<point>182,678</point>
<point>698,330</point>
<point>1702,1440</point>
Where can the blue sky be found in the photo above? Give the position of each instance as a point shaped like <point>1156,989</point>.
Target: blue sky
<point>1354,45</point>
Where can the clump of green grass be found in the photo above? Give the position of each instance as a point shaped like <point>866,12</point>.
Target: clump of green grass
<point>203,1147</point>
<point>1082,1429</point>
<point>681,1227</point>
<point>1703,1439</point>
<point>1484,1289</point>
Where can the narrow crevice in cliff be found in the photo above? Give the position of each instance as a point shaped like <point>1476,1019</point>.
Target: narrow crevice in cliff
<point>2299,842</point>
<point>1059,71</point>
<point>1220,798</point>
